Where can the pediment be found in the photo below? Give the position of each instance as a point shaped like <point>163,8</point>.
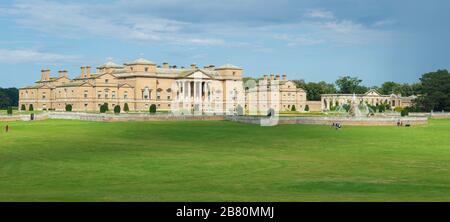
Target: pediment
<point>198,75</point>
<point>372,92</point>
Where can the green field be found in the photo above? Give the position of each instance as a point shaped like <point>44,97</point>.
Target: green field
<point>57,160</point>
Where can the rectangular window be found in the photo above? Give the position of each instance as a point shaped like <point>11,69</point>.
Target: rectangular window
<point>113,95</point>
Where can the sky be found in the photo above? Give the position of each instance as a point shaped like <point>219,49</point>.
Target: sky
<point>314,40</point>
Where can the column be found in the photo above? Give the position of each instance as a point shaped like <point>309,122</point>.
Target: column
<point>195,90</point>
<point>189,90</point>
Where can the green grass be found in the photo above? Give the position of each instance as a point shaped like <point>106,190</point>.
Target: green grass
<point>57,160</point>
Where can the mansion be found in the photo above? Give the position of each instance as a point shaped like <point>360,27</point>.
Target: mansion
<point>141,83</point>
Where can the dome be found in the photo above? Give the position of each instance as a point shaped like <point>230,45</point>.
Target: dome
<point>141,61</point>
<point>110,65</point>
<point>229,66</point>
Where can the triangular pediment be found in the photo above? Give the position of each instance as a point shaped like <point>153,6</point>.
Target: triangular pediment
<point>372,92</point>
<point>198,74</point>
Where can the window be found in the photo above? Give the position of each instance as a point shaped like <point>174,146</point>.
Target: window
<point>131,68</point>
<point>43,95</point>
<point>85,93</point>
<point>85,105</point>
<point>168,97</point>
<point>158,95</point>
<point>106,80</point>
<point>125,95</point>
<point>146,93</point>
<point>146,69</point>
<point>113,94</point>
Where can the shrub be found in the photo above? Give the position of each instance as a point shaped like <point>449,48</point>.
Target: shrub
<point>9,111</point>
<point>398,109</point>
<point>293,108</point>
<point>404,112</point>
<point>126,108</point>
<point>68,108</point>
<point>31,108</point>
<point>152,108</point>
<point>104,108</point>
<point>23,108</point>
<point>117,109</point>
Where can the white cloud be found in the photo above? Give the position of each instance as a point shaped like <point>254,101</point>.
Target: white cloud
<point>78,20</point>
<point>319,13</point>
<point>34,56</point>
<point>299,40</point>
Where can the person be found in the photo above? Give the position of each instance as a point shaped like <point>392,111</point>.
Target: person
<point>398,122</point>
<point>6,128</point>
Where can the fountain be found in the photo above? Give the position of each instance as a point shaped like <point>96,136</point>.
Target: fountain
<point>354,109</point>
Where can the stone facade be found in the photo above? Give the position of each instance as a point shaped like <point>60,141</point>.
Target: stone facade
<point>371,97</point>
<point>139,84</point>
<point>273,92</point>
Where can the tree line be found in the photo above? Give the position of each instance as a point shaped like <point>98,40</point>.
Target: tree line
<point>9,97</point>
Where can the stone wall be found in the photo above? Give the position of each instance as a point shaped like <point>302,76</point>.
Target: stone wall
<point>372,121</point>
<point>127,117</point>
<point>435,115</point>
<point>314,106</point>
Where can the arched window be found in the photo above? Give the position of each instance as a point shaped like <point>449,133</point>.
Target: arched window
<point>158,94</point>
<point>146,93</point>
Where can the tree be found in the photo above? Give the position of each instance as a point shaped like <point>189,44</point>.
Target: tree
<point>315,90</point>
<point>126,108</point>
<point>23,108</point>
<point>68,108</point>
<point>435,91</point>
<point>117,109</point>
<point>293,108</point>
<point>152,108</point>
<point>348,85</point>
<point>9,97</point>
<point>9,111</point>
<point>307,108</point>
<point>31,108</point>
<point>388,88</point>
<point>404,89</point>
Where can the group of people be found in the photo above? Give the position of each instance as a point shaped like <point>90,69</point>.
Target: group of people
<point>336,125</point>
<point>400,123</point>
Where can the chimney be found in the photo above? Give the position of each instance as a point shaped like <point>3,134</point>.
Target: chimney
<point>88,71</point>
<point>82,72</point>
<point>193,66</point>
<point>265,77</point>
<point>62,73</point>
<point>277,77</point>
<point>284,77</point>
<point>271,77</point>
<point>45,74</point>
<point>165,65</point>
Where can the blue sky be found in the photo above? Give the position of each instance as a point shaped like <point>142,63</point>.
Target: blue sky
<point>378,41</point>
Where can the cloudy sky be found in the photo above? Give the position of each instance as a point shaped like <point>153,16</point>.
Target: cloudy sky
<point>376,40</point>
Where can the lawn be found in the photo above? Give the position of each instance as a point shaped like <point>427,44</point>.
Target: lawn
<point>56,160</point>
